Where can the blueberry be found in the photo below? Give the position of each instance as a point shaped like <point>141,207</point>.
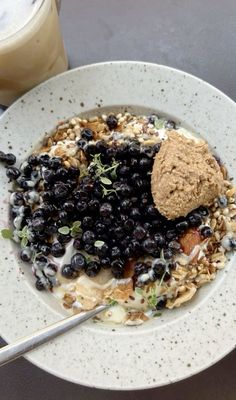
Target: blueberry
<point>105,262</point>
<point>206,231</point>
<point>78,261</point>
<point>141,184</point>
<point>88,237</point>
<point>170,124</point>
<point>141,268</point>
<point>89,248</point>
<point>129,225</point>
<point>156,148</point>
<point>171,234</point>
<point>45,249</point>
<point>128,252</point>
<point>124,190</point>
<point>68,272</point>
<point>60,190</point>
<point>139,233</point>
<point>9,159</point>
<point>87,134</point>
<point>57,250</point>
<point>48,195</point>
<point>118,232</point>
<point>41,261</point>
<point>152,211</point>
<point>12,173</point>
<point>26,254</point>
<point>194,219</point>
<point>17,199</point>
<point>115,252</point>
<point>44,160</point>
<point>101,147</point>
<point>55,163</point>
<point>145,164</point>
<point>48,209</point>
<point>63,239</point>
<point>161,304</point>
<point>222,201</point>
<point>92,268</point>
<point>77,244</point>
<point>125,204</point>
<point>90,150</point>
<point>105,210</point>
<point>168,254</point>
<point>136,248</point>
<point>174,246</point>
<point>63,217</point>
<point>181,226</point>
<point>111,122</point>
<point>61,174</point>
<point>103,250</point>
<point>41,284</point>
<point>135,213</point>
<point>38,224</point>
<point>117,268</point>
<point>69,206</point>
<point>33,160</point>
<point>107,221</point>
<point>152,118</point>
<point>73,172</point>
<point>100,227</point>
<point>50,270</point>
<point>48,175</point>
<point>149,245</point>
<point>87,222</point>
<point>123,170</point>
<point>134,164</point>
<point>134,149</point>
<point>81,207</point>
<point>147,151</point>
<point>81,195</point>
<point>82,143</point>
<point>159,266</point>
<point>26,169</point>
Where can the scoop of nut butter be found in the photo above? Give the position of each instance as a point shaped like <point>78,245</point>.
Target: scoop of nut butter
<point>185,176</point>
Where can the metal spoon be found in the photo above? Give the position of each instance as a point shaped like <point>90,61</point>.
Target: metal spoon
<point>30,342</point>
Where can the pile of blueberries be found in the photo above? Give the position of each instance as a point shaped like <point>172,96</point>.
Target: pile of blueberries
<point>120,215</point>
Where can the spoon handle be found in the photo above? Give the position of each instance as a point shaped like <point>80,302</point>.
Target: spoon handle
<point>30,342</point>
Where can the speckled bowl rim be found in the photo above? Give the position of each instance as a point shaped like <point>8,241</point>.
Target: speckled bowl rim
<point>137,358</point>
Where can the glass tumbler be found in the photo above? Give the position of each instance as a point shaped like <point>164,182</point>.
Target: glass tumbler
<point>33,52</point>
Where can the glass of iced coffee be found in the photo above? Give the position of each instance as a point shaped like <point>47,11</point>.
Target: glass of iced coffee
<point>31,46</point>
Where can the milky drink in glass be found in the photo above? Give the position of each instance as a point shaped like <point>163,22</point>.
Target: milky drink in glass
<point>31,46</point>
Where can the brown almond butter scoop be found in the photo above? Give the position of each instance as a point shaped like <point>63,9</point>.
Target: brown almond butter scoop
<point>185,176</point>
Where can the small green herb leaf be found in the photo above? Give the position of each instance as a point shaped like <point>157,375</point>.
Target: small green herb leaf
<point>139,291</point>
<point>106,192</point>
<point>159,123</point>
<point>99,244</point>
<point>105,180</point>
<point>111,302</point>
<point>76,225</point>
<point>64,230</point>
<point>6,233</point>
<point>35,255</point>
<point>162,278</point>
<point>24,241</point>
<point>158,314</point>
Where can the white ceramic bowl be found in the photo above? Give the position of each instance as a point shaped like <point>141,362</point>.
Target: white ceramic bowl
<point>181,342</point>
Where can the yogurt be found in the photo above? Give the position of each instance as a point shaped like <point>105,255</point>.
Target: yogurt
<point>14,14</point>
